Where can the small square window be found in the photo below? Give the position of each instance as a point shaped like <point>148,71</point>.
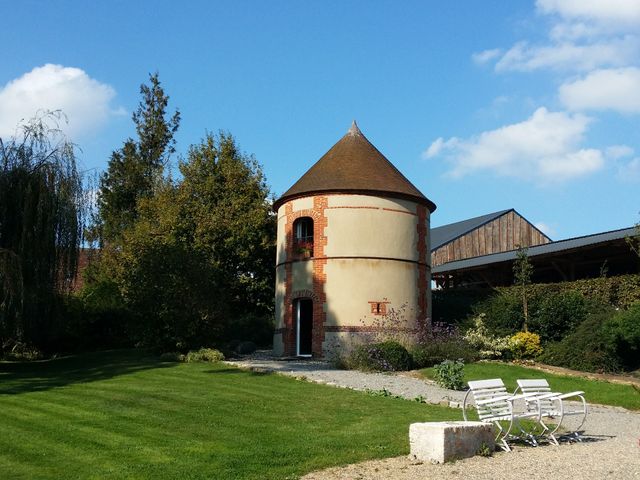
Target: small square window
<point>379,308</point>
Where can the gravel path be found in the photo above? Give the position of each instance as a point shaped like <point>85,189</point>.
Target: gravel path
<point>322,372</point>
<point>611,448</point>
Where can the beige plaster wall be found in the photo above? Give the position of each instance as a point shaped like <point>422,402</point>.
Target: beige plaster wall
<point>281,254</point>
<point>302,275</point>
<point>343,200</point>
<point>352,283</point>
<point>279,298</point>
<point>305,203</point>
<point>371,233</point>
<point>358,225</point>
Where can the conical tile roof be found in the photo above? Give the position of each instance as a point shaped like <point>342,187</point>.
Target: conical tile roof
<point>354,165</point>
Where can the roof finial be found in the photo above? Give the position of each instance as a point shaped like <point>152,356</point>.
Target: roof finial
<point>354,130</point>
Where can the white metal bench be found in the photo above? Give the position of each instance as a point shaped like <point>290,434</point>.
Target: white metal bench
<point>495,405</point>
<point>553,406</point>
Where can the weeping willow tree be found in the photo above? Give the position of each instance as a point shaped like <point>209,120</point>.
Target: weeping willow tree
<point>40,230</point>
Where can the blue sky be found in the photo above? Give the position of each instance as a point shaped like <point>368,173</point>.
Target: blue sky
<point>484,106</point>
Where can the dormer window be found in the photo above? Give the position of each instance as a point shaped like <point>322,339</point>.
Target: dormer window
<point>303,236</point>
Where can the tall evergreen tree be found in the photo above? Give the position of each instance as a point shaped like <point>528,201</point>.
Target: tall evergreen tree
<point>41,205</point>
<point>135,168</point>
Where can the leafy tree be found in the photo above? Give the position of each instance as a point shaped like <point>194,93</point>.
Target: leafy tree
<point>136,168</point>
<point>196,267</point>
<point>41,216</point>
<point>522,271</point>
<point>228,212</point>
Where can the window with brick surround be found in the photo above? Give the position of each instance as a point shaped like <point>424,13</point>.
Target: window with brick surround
<point>379,308</point>
<point>303,236</point>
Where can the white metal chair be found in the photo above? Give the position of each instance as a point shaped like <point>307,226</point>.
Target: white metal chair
<point>495,405</point>
<point>551,405</point>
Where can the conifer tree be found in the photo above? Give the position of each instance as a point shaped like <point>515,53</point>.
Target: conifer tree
<point>135,169</point>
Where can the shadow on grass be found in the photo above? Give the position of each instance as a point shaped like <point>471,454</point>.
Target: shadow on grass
<point>227,371</point>
<point>19,377</point>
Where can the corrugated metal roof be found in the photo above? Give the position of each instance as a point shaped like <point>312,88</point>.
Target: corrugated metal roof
<point>354,165</point>
<point>447,233</point>
<point>553,247</point>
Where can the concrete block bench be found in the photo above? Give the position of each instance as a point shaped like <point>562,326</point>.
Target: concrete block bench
<point>440,442</point>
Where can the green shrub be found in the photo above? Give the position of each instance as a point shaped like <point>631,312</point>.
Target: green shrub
<point>172,357</point>
<point>502,312</point>
<point>525,345</point>
<point>450,374</point>
<point>21,352</point>
<point>439,349</point>
<point>204,355</point>
<point>588,348</point>
<point>389,356</point>
<point>558,314</point>
<point>624,331</point>
<point>487,346</point>
<point>503,305</point>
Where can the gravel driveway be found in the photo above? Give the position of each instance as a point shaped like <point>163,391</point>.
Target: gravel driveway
<point>611,448</point>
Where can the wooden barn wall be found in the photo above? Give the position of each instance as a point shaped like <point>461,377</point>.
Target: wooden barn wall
<point>502,234</point>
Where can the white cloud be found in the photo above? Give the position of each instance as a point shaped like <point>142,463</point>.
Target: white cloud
<point>544,148</point>
<point>570,56</point>
<point>548,230</point>
<point>437,146</point>
<point>84,100</point>
<point>613,89</point>
<point>583,35</point>
<point>574,31</point>
<point>619,151</point>
<point>486,55</point>
<point>630,171</point>
<point>620,12</point>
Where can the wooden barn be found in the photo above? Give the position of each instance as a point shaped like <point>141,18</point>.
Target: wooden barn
<point>496,232</point>
<point>480,251</point>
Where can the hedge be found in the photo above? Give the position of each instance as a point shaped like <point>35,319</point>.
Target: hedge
<point>453,305</point>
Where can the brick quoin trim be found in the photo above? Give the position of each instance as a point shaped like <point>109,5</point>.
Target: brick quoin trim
<point>422,263</point>
<point>288,332</point>
<point>317,294</point>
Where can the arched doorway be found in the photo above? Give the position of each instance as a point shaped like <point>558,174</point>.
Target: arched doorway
<point>303,308</point>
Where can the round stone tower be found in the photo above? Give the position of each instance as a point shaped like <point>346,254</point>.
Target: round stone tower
<point>352,253</point>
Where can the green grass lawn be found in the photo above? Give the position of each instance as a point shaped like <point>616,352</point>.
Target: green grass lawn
<point>125,414</point>
<point>596,391</point>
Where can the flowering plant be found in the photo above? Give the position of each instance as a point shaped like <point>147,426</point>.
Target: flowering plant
<point>304,247</point>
